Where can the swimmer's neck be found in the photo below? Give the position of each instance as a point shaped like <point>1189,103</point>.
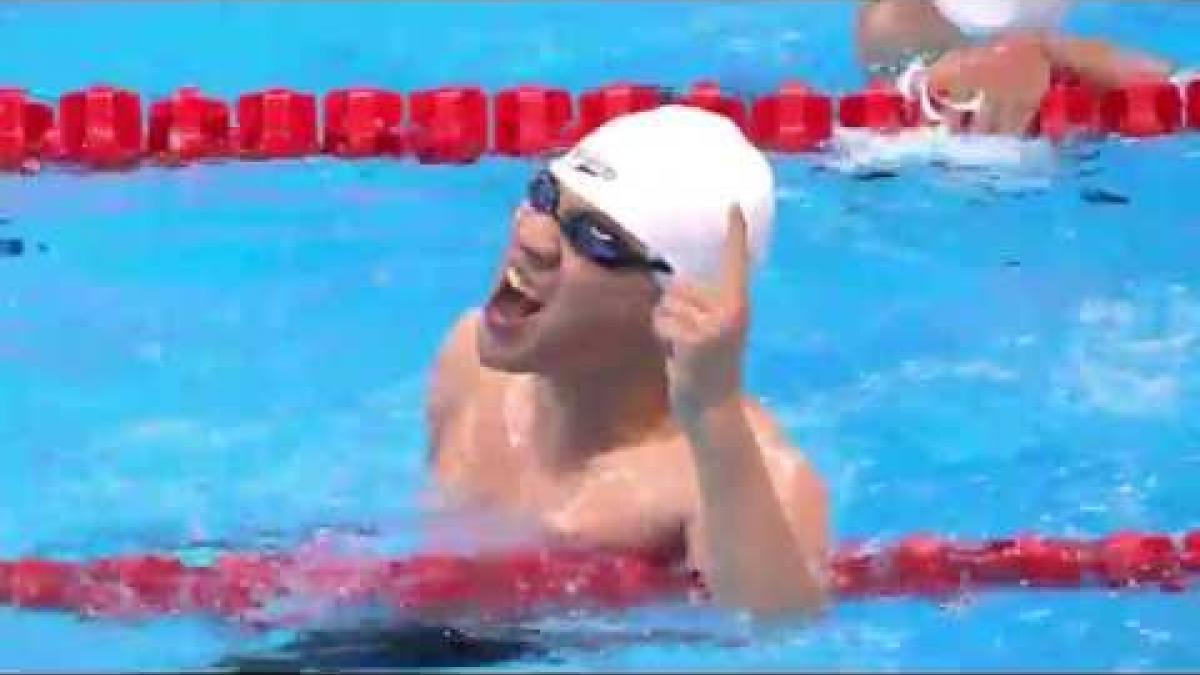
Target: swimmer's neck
<point>581,415</point>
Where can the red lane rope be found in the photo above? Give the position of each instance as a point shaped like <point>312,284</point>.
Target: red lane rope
<point>238,584</point>
<point>103,127</point>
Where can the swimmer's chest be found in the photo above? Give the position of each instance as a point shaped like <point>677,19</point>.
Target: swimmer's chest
<point>637,497</point>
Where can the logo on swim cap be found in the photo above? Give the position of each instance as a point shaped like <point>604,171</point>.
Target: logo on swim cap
<point>581,161</point>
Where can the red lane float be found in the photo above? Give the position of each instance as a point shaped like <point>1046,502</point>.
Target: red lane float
<point>363,122</point>
<point>101,127</point>
<point>39,584</point>
<point>448,125</point>
<point>793,119</point>
<point>237,585</point>
<point>707,95</point>
<point>598,106</point>
<point>1143,109</point>
<point>1190,555</point>
<point>23,127</point>
<point>927,565</point>
<point>878,108</point>
<point>1192,91</point>
<point>1068,109</point>
<point>275,124</point>
<point>188,126</point>
<point>531,121</point>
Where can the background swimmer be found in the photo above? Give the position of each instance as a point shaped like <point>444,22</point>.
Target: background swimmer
<point>1004,50</point>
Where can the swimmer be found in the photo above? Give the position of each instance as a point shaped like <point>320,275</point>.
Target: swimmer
<point>598,392</point>
<point>988,63</point>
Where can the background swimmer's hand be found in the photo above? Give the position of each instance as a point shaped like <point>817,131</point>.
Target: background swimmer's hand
<point>703,330</point>
<point>1012,73</point>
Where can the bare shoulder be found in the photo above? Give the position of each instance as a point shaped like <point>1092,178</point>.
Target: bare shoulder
<point>455,374</point>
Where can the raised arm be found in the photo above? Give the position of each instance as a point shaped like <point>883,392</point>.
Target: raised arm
<point>758,532</point>
<point>760,535</point>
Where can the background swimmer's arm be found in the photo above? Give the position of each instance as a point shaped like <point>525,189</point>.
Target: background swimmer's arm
<point>890,33</point>
<point>1101,63</point>
<point>454,377</point>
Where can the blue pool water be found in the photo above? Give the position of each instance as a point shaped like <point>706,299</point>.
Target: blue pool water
<point>235,355</point>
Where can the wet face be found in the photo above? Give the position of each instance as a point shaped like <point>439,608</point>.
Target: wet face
<point>554,310</point>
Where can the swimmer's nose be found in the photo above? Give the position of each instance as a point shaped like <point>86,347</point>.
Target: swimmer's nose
<point>537,237</point>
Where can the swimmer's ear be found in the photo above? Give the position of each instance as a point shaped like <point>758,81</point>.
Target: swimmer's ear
<point>735,259</point>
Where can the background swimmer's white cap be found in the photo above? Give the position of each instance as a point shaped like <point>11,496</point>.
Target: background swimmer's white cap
<point>984,17</point>
<point>669,176</point>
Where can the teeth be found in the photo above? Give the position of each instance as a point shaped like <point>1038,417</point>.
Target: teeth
<point>514,279</point>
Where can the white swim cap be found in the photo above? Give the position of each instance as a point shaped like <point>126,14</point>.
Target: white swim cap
<point>985,17</point>
<point>669,177</point>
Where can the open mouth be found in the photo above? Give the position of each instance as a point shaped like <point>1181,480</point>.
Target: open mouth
<point>514,300</point>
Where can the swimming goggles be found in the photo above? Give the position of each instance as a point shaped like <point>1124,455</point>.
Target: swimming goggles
<point>590,233</point>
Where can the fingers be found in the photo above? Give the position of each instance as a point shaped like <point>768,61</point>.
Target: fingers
<point>1013,118</point>
<point>993,119</point>
<point>690,295</point>
<point>687,315</point>
<point>735,261</point>
<point>983,120</point>
<point>676,326</point>
<point>685,311</point>
<point>1025,109</point>
<point>707,304</point>
<point>672,325</point>
<point>1023,120</point>
<point>1001,116</point>
<point>958,122</point>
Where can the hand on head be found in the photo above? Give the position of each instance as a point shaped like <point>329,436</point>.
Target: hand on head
<point>703,328</point>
